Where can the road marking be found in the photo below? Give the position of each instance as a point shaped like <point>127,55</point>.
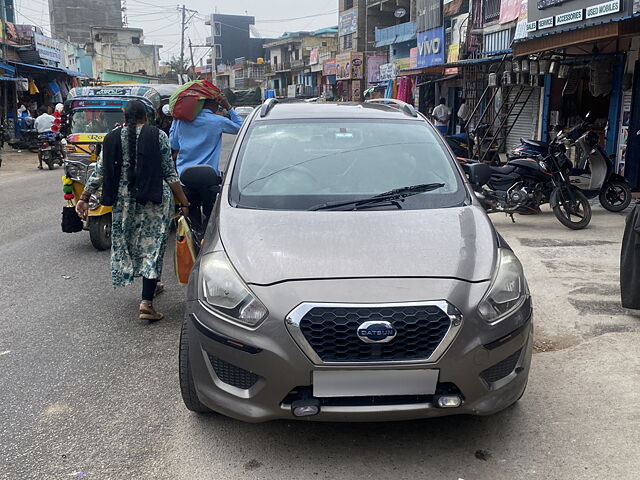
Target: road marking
<point>5,352</point>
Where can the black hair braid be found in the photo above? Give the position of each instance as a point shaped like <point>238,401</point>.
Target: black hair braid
<point>134,113</point>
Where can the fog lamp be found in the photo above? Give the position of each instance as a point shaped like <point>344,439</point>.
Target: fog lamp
<point>449,401</point>
<point>305,408</point>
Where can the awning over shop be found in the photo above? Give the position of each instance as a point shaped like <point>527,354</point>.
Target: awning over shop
<point>8,68</point>
<point>37,67</point>
<point>12,79</point>
<point>473,61</point>
<point>441,79</point>
<point>395,34</point>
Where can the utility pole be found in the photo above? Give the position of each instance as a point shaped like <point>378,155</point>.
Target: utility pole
<point>184,11</point>
<point>3,32</point>
<point>193,65</point>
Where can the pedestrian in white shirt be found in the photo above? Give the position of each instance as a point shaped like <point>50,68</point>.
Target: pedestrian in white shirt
<point>441,116</point>
<point>44,121</point>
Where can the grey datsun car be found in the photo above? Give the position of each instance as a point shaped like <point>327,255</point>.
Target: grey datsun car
<point>349,274</point>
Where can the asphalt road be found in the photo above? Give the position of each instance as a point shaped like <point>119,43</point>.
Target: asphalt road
<point>86,388</point>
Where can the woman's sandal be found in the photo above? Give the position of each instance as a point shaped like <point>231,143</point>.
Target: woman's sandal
<point>147,312</point>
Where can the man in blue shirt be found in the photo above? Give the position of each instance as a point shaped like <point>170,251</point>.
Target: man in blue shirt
<point>199,143</point>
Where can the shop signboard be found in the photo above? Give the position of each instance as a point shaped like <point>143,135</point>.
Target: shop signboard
<point>453,53</point>
<point>329,67</point>
<point>402,64</point>
<point>348,23</point>
<point>357,66</point>
<point>313,56</point>
<point>343,66</point>
<point>603,9</point>
<point>431,47</point>
<point>413,58</point>
<point>428,14</point>
<point>387,71</point>
<point>48,48</point>
<point>554,15</point>
<point>373,67</point>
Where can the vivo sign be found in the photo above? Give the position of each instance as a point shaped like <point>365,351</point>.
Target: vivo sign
<point>431,47</point>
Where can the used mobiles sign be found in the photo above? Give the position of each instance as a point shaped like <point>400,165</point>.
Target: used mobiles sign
<point>431,48</point>
<point>560,14</point>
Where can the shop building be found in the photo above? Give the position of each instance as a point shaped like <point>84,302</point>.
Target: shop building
<point>588,53</point>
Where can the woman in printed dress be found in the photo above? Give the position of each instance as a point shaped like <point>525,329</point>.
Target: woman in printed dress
<point>138,178</point>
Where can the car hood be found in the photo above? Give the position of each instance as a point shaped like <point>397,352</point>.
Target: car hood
<point>274,246</point>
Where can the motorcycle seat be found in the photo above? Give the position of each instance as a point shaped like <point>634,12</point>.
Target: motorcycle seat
<point>534,143</point>
<point>503,170</point>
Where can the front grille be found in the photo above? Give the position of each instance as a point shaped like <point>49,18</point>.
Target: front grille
<point>232,375</point>
<point>332,332</point>
<point>501,369</point>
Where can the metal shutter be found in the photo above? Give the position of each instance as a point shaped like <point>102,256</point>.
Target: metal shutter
<point>526,125</point>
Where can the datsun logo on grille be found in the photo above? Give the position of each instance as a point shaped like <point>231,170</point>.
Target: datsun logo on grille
<point>377,331</point>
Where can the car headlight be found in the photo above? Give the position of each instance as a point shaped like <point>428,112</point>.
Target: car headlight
<point>224,292</point>
<point>508,290</point>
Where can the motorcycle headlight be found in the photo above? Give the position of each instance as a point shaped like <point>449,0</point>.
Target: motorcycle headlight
<point>224,292</point>
<point>508,290</point>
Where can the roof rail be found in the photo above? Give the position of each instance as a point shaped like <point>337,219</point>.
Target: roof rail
<point>405,107</point>
<point>267,106</point>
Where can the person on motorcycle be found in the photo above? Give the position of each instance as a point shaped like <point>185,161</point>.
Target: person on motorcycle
<point>199,143</point>
<point>43,124</point>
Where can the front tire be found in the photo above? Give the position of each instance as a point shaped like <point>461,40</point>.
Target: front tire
<point>574,214</point>
<point>100,232</point>
<point>187,387</point>
<point>615,195</point>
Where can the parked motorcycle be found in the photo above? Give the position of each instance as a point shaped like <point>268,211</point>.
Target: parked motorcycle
<point>523,184</point>
<point>472,145</point>
<point>594,175</point>
<point>28,137</point>
<point>51,149</point>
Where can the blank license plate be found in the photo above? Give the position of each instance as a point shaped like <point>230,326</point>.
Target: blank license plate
<point>364,383</point>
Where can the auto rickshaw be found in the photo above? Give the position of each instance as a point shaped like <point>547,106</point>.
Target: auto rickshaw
<point>93,112</point>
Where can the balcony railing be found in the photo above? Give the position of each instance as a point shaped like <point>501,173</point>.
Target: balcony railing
<point>300,63</point>
<point>491,10</point>
<point>282,67</point>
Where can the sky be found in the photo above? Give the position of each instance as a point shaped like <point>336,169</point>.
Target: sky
<point>160,19</point>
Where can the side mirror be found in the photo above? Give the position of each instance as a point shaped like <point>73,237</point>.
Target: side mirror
<point>479,173</point>
<point>201,177</point>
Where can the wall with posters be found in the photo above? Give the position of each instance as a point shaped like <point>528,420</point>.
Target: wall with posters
<point>350,66</point>
<point>431,48</point>
<point>373,68</point>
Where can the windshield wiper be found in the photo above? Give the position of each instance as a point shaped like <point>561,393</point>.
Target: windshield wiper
<point>395,194</point>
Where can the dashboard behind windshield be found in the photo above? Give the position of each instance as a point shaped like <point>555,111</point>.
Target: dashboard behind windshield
<point>295,165</point>
<point>96,121</point>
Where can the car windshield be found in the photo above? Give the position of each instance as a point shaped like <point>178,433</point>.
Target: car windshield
<point>299,165</point>
<point>95,121</point>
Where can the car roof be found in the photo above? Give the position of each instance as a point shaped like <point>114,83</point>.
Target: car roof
<point>341,110</point>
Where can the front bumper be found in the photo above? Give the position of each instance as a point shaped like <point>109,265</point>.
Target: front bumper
<point>256,375</point>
